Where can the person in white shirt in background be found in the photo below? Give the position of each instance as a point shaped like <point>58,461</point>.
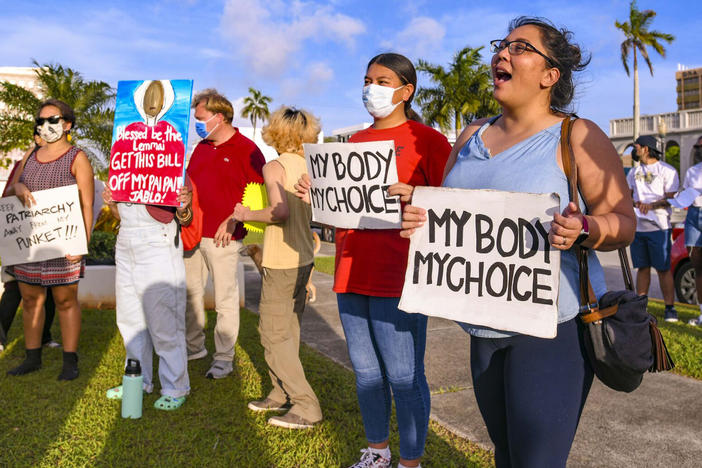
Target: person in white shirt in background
<point>693,222</point>
<point>652,182</point>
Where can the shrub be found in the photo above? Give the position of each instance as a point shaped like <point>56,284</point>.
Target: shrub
<point>101,250</point>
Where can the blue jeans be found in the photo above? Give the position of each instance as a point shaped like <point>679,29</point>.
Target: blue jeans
<point>386,346</point>
<point>652,249</point>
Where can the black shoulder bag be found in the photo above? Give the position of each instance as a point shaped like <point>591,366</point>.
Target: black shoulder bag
<point>621,338</point>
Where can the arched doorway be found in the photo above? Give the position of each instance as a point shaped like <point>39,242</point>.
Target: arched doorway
<point>672,154</point>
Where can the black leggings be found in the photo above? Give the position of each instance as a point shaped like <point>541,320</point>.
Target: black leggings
<point>531,392</point>
<point>10,301</point>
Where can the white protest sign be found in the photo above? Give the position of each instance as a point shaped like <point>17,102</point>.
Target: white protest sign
<point>483,258</point>
<point>52,228</point>
<point>349,184</point>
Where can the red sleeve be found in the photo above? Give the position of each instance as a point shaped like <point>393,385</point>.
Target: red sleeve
<point>256,167</point>
<point>9,178</point>
<point>439,149</point>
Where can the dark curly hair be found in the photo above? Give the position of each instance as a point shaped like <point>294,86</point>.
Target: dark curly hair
<point>67,113</point>
<point>566,55</point>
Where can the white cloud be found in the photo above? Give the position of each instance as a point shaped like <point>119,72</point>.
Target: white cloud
<point>315,80</point>
<point>267,35</point>
<point>421,36</point>
<point>424,34</point>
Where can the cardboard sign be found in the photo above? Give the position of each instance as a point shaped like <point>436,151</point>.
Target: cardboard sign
<point>147,162</point>
<point>483,257</point>
<point>52,228</point>
<point>349,184</point>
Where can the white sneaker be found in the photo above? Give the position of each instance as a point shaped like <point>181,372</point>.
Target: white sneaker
<point>220,369</point>
<point>696,322</point>
<point>371,459</point>
<point>199,355</point>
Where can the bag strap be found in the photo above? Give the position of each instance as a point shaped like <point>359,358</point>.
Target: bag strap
<point>588,300</point>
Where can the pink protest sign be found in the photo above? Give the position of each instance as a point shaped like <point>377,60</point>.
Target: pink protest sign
<point>147,163</point>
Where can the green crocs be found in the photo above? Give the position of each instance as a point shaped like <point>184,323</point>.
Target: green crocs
<point>115,393</point>
<point>167,403</point>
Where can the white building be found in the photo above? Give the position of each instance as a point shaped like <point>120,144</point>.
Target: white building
<point>343,134</point>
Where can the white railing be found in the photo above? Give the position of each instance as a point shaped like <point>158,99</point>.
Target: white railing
<point>682,120</point>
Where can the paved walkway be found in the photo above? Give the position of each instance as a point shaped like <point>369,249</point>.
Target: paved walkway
<point>658,425</point>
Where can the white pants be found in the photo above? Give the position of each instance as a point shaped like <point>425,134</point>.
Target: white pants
<point>150,293</point>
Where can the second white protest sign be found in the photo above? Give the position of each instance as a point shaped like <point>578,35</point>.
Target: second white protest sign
<point>483,258</point>
<point>349,184</point>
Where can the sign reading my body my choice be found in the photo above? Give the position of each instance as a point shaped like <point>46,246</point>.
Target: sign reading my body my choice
<point>483,257</point>
<point>349,184</point>
<point>147,163</point>
<point>51,228</point>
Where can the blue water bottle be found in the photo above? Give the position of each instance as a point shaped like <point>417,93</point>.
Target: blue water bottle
<point>132,392</point>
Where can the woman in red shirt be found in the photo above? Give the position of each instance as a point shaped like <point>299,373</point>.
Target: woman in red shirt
<point>386,345</point>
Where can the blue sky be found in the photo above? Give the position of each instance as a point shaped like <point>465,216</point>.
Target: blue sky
<point>313,54</point>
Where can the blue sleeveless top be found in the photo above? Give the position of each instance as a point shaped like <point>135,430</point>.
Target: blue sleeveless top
<point>529,166</point>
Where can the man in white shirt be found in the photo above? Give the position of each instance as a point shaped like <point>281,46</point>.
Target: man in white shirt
<point>651,183</point>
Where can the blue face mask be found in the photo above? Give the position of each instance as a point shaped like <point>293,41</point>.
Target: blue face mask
<point>201,128</point>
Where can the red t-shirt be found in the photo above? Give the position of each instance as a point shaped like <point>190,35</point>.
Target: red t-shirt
<point>373,262</point>
<point>221,174</point>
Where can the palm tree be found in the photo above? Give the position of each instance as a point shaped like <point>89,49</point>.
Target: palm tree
<point>92,102</point>
<point>256,107</point>
<point>638,36</point>
<point>462,93</point>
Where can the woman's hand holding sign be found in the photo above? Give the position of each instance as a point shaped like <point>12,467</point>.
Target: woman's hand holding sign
<point>185,198</point>
<point>566,227</point>
<point>302,188</point>
<point>25,196</point>
<point>404,191</point>
<point>413,217</point>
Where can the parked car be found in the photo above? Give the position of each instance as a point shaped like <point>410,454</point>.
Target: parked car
<point>326,233</point>
<point>683,273</point>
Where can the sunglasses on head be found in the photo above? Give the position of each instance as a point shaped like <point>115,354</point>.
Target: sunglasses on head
<point>54,119</point>
<point>290,113</point>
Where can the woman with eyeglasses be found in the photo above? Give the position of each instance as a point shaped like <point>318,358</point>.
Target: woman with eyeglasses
<point>56,164</point>
<point>386,345</point>
<point>287,263</point>
<point>693,222</point>
<point>531,391</point>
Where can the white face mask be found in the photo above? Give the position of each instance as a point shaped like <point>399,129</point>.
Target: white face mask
<point>51,132</point>
<point>378,100</point>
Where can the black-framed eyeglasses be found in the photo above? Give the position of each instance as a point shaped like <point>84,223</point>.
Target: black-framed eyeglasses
<point>518,48</point>
<point>290,113</point>
<point>54,119</point>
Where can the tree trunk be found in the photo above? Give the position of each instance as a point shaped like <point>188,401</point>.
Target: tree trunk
<point>636,97</point>
<point>457,125</point>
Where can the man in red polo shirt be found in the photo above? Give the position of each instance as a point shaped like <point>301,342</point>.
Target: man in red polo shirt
<point>220,167</point>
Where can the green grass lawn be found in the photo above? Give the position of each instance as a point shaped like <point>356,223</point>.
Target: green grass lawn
<point>684,341</point>
<point>71,424</point>
<point>324,264</point>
